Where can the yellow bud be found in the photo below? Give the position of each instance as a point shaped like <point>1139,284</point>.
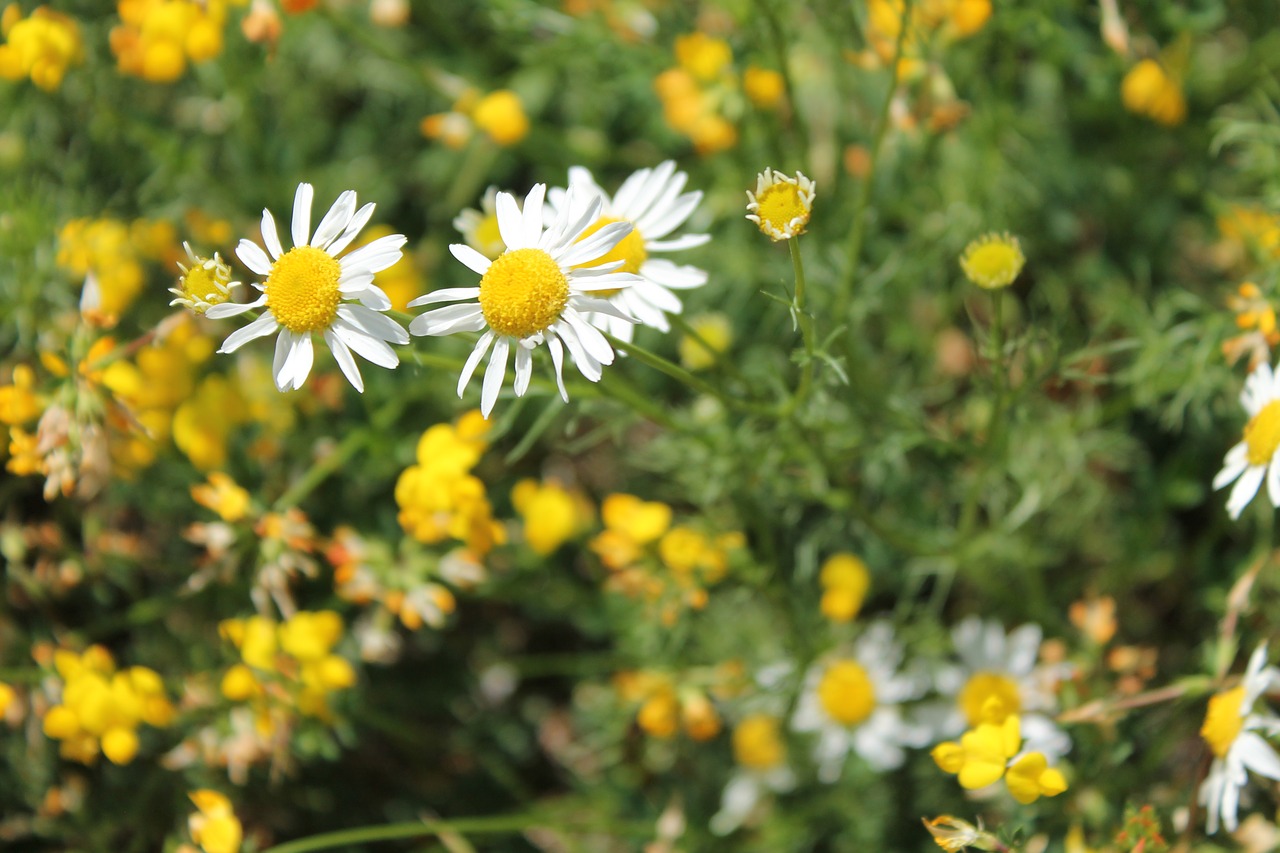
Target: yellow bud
<point>120,745</point>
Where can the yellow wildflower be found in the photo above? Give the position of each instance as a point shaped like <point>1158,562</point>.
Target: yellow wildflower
<point>1149,90</point>
<point>703,56</point>
<point>757,742</point>
<point>780,206</point>
<point>19,402</point>
<point>41,47</point>
<point>501,115</point>
<point>764,86</point>
<point>552,515</point>
<point>993,260</point>
<point>845,579</point>
<point>1030,778</point>
<point>157,38</point>
<point>215,826</point>
<point>223,496</point>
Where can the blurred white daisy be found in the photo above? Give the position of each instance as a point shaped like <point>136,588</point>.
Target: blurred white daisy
<point>853,702</point>
<point>305,289</point>
<point>993,665</point>
<point>652,201</point>
<point>533,293</point>
<point>1253,459</point>
<point>1232,729</point>
<point>479,228</point>
<point>761,757</point>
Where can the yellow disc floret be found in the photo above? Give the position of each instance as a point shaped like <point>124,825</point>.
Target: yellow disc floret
<point>846,692</point>
<point>983,687</point>
<point>1262,434</point>
<point>1223,722</point>
<point>302,290</point>
<point>993,260</point>
<point>780,206</point>
<point>630,251</point>
<point>523,293</point>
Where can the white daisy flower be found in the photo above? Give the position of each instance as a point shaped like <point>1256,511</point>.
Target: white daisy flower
<point>204,284</point>
<point>305,287</point>
<point>1253,459</point>
<point>853,702</point>
<point>761,757</point>
<point>1231,728</point>
<point>993,665</point>
<point>652,201</point>
<point>479,228</point>
<point>780,206</point>
<point>533,293</point>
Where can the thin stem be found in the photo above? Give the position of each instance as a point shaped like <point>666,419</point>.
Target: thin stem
<point>857,232</point>
<point>501,824</point>
<point>995,424</point>
<point>805,322</point>
<point>675,371</point>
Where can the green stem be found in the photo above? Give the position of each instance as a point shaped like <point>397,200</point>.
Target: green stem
<point>673,370</point>
<point>857,232</point>
<point>501,824</point>
<point>805,322</point>
<point>995,423</point>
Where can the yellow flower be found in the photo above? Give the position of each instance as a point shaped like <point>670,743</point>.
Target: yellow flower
<point>551,514</point>
<point>19,402</point>
<point>845,580</point>
<point>41,47</point>
<point>703,56</point>
<point>1030,778</point>
<point>223,496</point>
<point>1148,90</point>
<point>699,716</point>
<point>713,330</point>
<point>6,698</point>
<point>501,115</point>
<point>757,742</point>
<point>309,636</point>
<point>780,206</point>
<point>157,38</point>
<point>215,826</point>
<point>993,260</point>
<point>764,86</point>
<point>640,521</point>
<point>660,714</point>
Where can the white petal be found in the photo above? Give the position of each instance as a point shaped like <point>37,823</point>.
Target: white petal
<point>1023,647</point>
<point>375,256</point>
<point>493,375</point>
<point>1246,487</point>
<point>301,357</point>
<point>270,235</point>
<point>598,244</point>
<point>670,220</point>
<point>259,328</point>
<point>481,347</point>
<point>623,198</point>
<point>466,317</point>
<point>234,309</point>
<point>1273,482</point>
<point>336,220</point>
<point>554,244</point>
<point>1237,459</point>
<point>688,241</point>
<point>510,221</point>
<point>557,361</point>
<point>652,189</point>
<point>592,341</point>
<point>366,346</point>
<point>252,256</point>
<point>656,295</point>
<point>675,276</point>
<point>470,258</point>
<point>533,214</point>
<point>1257,755</point>
<point>284,346</point>
<point>524,369</point>
<point>342,355</point>
<point>302,214</point>
<point>362,217</point>
<point>448,294</point>
<point>375,298</point>
<point>374,323</point>
<point>586,365</point>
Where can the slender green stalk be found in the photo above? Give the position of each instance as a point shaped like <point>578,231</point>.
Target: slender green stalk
<point>993,446</point>
<point>857,231</point>
<point>675,371</point>
<point>805,322</point>
<point>328,465</point>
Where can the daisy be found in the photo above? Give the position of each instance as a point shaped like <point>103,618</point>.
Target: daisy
<point>479,228</point>
<point>206,283</point>
<point>652,201</point>
<point>761,757</point>
<point>305,287</point>
<point>853,702</point>
<point>1231,728</point>
<point>1000,666</point>
<point>780,206</point>
<point>1253,459</point>
<point>533,293</point>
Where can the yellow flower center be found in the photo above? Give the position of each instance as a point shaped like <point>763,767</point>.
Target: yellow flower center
<point>846,692</point>
<point>983,687</point>
<point>487,233</point>
<point>756,743</point>
<point>780,205</point>
<point>993,261</point>
<point>1262,434</point>
<point>630,251</point>
<point>523,293</point>
<point>205,285</point>
<point>302,289</point>
<point>1223,722</point>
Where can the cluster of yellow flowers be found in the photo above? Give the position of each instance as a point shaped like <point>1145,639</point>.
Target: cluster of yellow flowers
<point>552,514</point>
<point>499,115</point>
<point>1150,90</point>
<point>648,558</point>
<point>42,46</point>
<point>157,38</point>
<point>700,94</point>
<point>439,497</point>
<point>101,708</point>
<point>667,705</point>
<point>290,664</point>
<point>990,751</point>
<point>844,579</point>
<point>949,19</point>
<point>113,252</point>
<point>214,825</point>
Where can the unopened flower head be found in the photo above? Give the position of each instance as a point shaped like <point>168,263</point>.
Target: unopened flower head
<point>1252,460</point>
<point>952,833</point>
<point>305,288</point>
<point>781,205</point>
<point>993,260</point>
<point>652,201</point>
<point>204,284</point>
<point>534,293</point>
